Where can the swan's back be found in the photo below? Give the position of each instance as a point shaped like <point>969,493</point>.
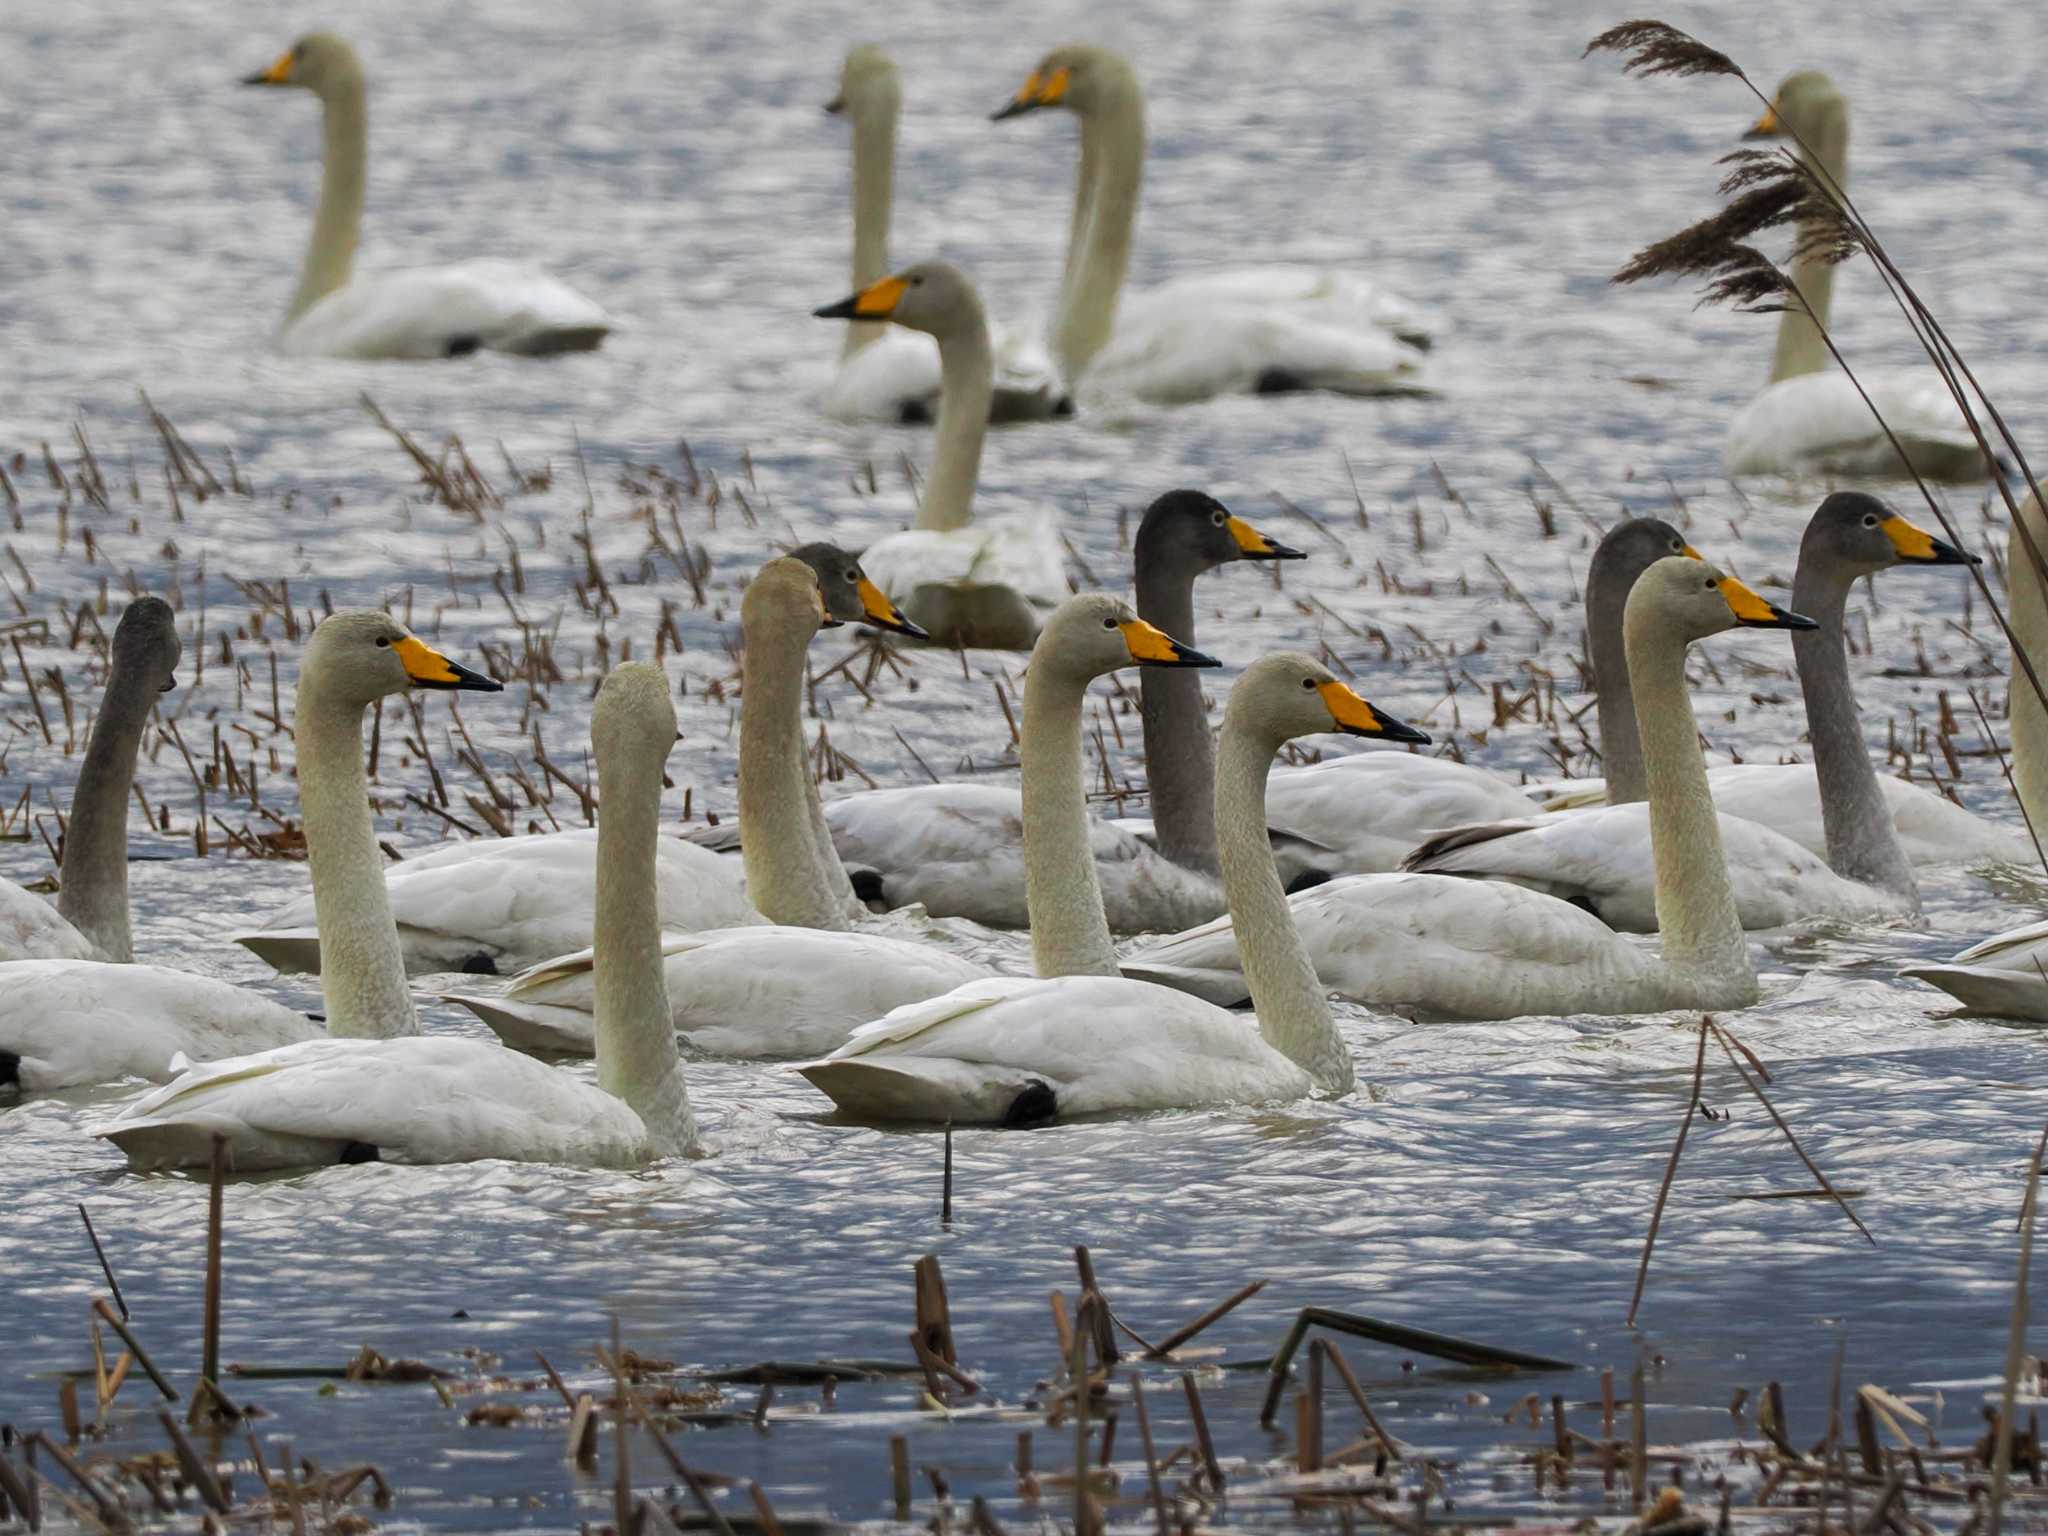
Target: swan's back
<point>32,929</point>
<point>1815,423</point>
<point>430,312</point>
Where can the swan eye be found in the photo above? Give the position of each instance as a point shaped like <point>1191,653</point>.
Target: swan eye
<point>1218,517</point>
<point>1678,546</point>
<point>853,575</point>
<point>383,642</point>
<point>1109,624</point>
<point>1713,586</point>
<point>1869,520</point>
<point>1309,683</point>
<point>918,281</point>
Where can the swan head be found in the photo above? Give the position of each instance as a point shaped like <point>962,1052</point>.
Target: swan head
<point>1093,634</point>
<point>319,62</point>
<point>361,655</point>
<point>784,598</point>
<point>633,722</point>
<point>1078,77</point>
<point>1806,105</point>
<point>1858,535</point>
<point>868,85</point>
<point>935,297</point>
<point>146,644</point>
<point>1693,599</point>
<point>848,595</point>
<point>1628,549</point>
<point>1288,694</point>
<point>1193,531</point>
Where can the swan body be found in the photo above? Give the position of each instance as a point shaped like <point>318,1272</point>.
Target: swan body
<point>32,929</point>
<point>441,1100</point>
<point>1265,329</point>
<point>507,903</point>
<point>70,1023</point>
<point>958,850</point>
<point>985,585</point>
<point>2002,976</point>
<point>1810,420</point>
<point>1080,1039</point>
<point>1364,813</point>
<point>428,312</point>
<point>1434,946</point>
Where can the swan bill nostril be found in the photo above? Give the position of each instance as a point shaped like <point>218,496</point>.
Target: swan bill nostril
<point>1254,545</point>
<point>428,668</point>
<point>1038,90</point>
<point>1150,646</point>
<point>883,614</point>
<point>1752,612</point>
<point>1355,717</point>
<point>1916,546</point>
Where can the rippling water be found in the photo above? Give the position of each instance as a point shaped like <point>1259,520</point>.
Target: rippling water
<point>1492,1180</point>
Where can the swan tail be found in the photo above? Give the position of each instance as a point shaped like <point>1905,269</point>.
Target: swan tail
<point>1226,989</point>
<point>555,341</point>
<point>929,1090</point>
<point>540,1028</point>
<point>1989,990</point>
<point>288,951</point>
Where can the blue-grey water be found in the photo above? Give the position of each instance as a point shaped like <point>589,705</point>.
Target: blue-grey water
<point>671,161</point>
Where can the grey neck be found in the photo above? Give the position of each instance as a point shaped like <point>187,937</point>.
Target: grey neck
<point>1069,931</point>
<point>1113,157</point>
<point>1180,767</point>
<point>362,967</point>
<point>1621,748</point>
<point>1862,843</point>
<point>967,386</point>
<point>337,223</point>
<point>1800,348</point>
<point>94,896</point>
<point>874,195</point>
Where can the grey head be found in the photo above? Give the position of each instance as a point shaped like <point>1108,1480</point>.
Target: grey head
<point>146,646</point>
<point>1193,531</point>
<point>1630,548</point>
<point>849,596</point>
<point>1853,534</point>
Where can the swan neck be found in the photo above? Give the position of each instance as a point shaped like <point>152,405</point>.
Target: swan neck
<point>1294,1016</point>
<point>1862,844</point>
<point>874,194</point>
<point>1800,347</point>
<point>1621,748</point>
<point>94,895</point>
<point>337,222</point>
<point>1113,158</point>
<point>1696,916</point>
<point>637,1060</point>
<point>1069,932</point>
<point>966,388</point>
<point>362,967</point>
<point>777,829</point>
<point>1180,768</point>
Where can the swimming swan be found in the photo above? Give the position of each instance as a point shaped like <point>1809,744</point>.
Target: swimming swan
<point>968,584</point>
<point>66,1023</point>
<point>1810,420</point>
<point>1601,858</point>
<point>1253,331</point>
<point>1435,946</point>
<point>1080,1039</point>
<point>424,312</point>
<point>90,920</point>
<point>887,373</point>
<point>443,1100</point>
<point>799,985</point>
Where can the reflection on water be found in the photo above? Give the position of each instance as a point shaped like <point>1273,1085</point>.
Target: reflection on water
<point>1487,1180</point>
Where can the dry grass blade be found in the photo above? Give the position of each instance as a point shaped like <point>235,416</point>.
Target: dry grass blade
<point>1778,1120</point>
<point>1658,48</point>
<point>2016,1340</point>
<point>1692,1104</point>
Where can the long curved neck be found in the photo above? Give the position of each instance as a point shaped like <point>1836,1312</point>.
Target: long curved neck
<point>1621,748</point>
<point>1180,768</point>
<point>1862,844</point>
<point>94,897</point>
<point>874,193</point>
<point>637,1060</point>
<point>337,222</point>
<point>1696,915</point>
<point>1077,222</point>
<point>2027,611</point>
<point>1800,348</point>
<point>966,386</point>
<point>1294,1016</point>
<point>1113,158</point>
<point>1069,933</point>
<point>362,967</point>
<point>776,829</point>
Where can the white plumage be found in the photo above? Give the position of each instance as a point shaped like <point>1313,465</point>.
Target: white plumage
<point>32,929</point>
<point>2004,976</point>
<point>429,312</point>
<point>1817,424</point>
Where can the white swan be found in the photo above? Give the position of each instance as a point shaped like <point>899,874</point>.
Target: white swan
<point>427,311</point>
<point>450,1100</point>
<point>973,584</point>
<point>1810,420</point>
<point>1266,329</point>
<point>1435,946</point>
<point>1080,1039</point>
<point>887,373</point>
<point>799,986</point>
<point>1601,858</point>
<point>66,1023</point>
<point>90,920</point>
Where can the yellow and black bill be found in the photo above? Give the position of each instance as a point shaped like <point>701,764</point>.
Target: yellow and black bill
<point>1254,545</point>
<point>279,73</point>
<point>1355,717</point>
<point>1916,546</point>
<point>877,301</point>
<point>1752,612</point>
<point>428,668</point>
<point>1153,647</point>
<point>837,104</point>
<point>1044,88</point>
<point>1768,126</point>
<point>876,609</point>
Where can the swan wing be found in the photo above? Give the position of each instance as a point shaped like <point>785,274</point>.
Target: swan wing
<point>32,929</point>
<point>429,312</point>
<point>1069,1045</point>
<point>69,1023</point>
<point>1343,298</point>
<point>1362,814</point>
<point>1933,830</point>
<point>421,1100</point>
<point>1430,946</point>
<point>1174,353</point>
<point>1023,553</point>
<point>1817,423</point>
